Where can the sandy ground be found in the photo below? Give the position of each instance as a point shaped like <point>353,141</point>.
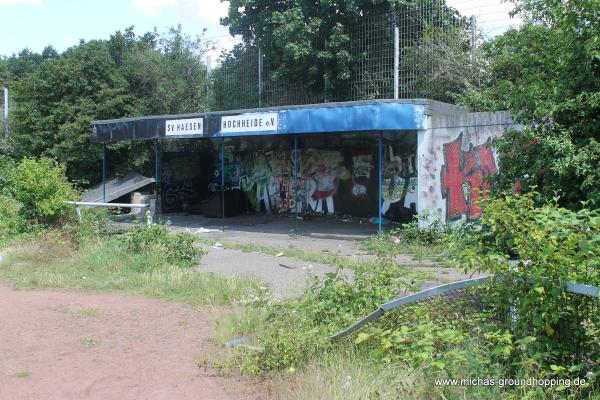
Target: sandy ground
<point>74,345</point>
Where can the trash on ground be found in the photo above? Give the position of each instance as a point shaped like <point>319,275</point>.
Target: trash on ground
<point>237,341</point>
<point>206,230</point>
<point>287,266</point>
<point>242,342</point>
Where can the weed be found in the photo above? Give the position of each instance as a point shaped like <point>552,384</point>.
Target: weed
<point>83,312</point>
<point>108,265</point>
<point>423,237</point>
<point>22,374</point>
<point>89,342</point>
<point>177,248</point>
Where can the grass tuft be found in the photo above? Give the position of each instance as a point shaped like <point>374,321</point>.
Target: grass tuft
<point>107,265</point>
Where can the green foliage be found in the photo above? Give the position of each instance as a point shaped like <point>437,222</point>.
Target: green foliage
<point>42,189</point>
<point>7,167</point>
<point>547,73</point>
<point>443,62</point>
<point>12,222</point>
<point>327,305</point>
<point>177,248</point>
<point>56,96</point>
<point>310,53</point>
<point>93,226</point>
<point>425,231</point>
<point>551,332</point>
<point>49,260</point>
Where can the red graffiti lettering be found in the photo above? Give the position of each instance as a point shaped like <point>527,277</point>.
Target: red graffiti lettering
<point>464,177</point>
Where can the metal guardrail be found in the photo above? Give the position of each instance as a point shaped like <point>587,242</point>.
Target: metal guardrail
<point>121,205</point>
<point>570,287</point>
<point>79,204</point>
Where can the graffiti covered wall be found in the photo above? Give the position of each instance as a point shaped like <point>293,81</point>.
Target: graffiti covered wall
<point>456,161</point>
<point>334,179</point>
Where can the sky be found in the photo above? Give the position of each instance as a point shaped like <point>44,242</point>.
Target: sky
<point>34,24</point>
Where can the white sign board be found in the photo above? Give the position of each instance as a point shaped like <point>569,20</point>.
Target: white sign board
<point>249,123</point>
<point>177,127</point>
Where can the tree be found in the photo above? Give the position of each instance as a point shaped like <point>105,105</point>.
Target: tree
<point>548,74</point>
<point>336,50</point>
<point>56,97</point>
<point>55,103</point>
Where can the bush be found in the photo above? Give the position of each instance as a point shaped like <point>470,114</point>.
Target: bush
<point>425,231</point>
<point>41,187</point>
<point>176,248</point>
<point>11,221</point>
<point>7,167</point>
<point>94,225</point>
<point>533,250</point>
<point>299,329</point>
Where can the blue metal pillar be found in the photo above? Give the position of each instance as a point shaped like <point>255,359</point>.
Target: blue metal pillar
<point>157,174</point>
<point>380,170</point>
<point>223,182</point>
<point>104,173</point>
<point>295,183</point>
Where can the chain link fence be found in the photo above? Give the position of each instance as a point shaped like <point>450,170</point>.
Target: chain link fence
<point>417,49</point>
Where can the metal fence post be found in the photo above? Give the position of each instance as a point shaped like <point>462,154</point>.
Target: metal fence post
<point>380,185</point>
<point>223,182</point>
<point>157,176</point>
<point>104,173</point>
<point>5,121</point>
<point>396,62</point>
<point>295,183</point>
<point>260,71</point>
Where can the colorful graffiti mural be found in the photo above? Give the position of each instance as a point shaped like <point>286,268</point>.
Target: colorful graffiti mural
<point>328,181</point>
<point>267,179</point>
<point>465,177</point>
<point>320,175</point>
<point>362,165</point>
<point>399,179</point>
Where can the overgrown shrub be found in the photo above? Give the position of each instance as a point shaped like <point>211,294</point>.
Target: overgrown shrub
<point>299,328</point>
<point>533,250</point>
<point>93,225</point>
<point>425,231</point>
<point>7,167</point>
<point>524,326</point>
<point>176,248</point>
<point>11,222</point>
<point>41,187</point>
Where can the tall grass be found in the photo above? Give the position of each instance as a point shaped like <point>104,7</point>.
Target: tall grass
<point>346,374</point>
<point>106,265</point>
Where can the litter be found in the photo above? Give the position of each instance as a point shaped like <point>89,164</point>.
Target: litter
<point>242,342</point>
<point>217,245</point>
<point>287,266</point>
<point>206,230</point>
<point>347,382</point>
<point>279,254</point>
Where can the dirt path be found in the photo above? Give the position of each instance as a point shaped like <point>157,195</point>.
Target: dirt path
<point>74,345</point>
